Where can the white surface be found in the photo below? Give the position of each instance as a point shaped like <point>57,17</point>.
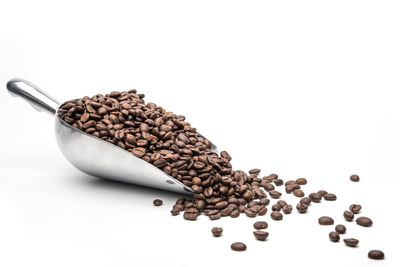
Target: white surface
<point>301,88</point>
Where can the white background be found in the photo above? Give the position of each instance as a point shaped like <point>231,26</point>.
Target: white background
<point>301,88</point>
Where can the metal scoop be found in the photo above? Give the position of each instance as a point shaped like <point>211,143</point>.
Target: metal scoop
<point>93,155</point>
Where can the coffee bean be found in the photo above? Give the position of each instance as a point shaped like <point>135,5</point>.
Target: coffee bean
<point>250,213</point>
<point>255,171</point>
<point>217,231</point>
<point>275,194</point>
<point>157,202</point>
<point>191,214</point>
<point>262,211</point>
<point>264,201</point>
<point>238,246</point>
<point>301,207</point>
<point>260,225</point>
<point>287,209</point>
<point>325,220</point>
<point>351,242</point>
<point>322,193</point>
<point>269,187</point>
<point>261,235</point>
<point>355,208</point>
<point>355,178</point>
<point>334,236</point>
<point>364,221</point>
<point>281,203</point>
<point>276,207</point>
<point>139,151</point>
<point>276,215</point>
<point>301,181</point>
<point>215,216</point>
<point>376,255</point>
<point>235,213</point>
<point>330,197</point>
<point>348,215</point>
<point>278,182</point>
<point>340,228</point>
<point>305,200</point>
<point>298,193</point>
<point>315,197</point>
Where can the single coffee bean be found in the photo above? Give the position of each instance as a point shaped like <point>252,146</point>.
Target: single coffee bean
<point>215,216</point>
<point>157,202</point>
<point>264,201</point>
<point>250,213</point>
<point>325,220</point>
<point>269,187</point>
<point>340,228</point>
<point>281,203</point>
<point>262,210</point>
<point>355,208</point>
<point>305,200</point>
<point>301,181</point>
<point>364,221</point>
<point>238,246</point>
<point>191,214</point>
<point>348,216</point>
<point>298,193</point>
<point>322,193</point>
<point>315,197</point>
<point>351,242</point>
<point>276,207</point>
<point>261,235</point>
<point>275,194</point>
<point>287,209</point>
<point>278,182</point>
<point>217,231</point>
<point>355,178</point>
<point>260,225</point>
<point>376,255</point>
<point>235,213</point>
<point>330,197</point>
<point>334,236</point>
<point>255,171</point>
<point>301,207</point>
<point>276,215</point>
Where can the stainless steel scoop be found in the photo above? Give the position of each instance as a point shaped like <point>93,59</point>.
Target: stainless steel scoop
<point>93,155</point>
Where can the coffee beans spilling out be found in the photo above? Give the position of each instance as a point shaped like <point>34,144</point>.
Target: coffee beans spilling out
<point>217,231</point>
<point>238,246</point>
<point>376,255</point>
<point>171,144</point>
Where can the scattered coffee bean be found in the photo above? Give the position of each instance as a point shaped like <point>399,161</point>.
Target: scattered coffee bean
<point>334,236</point>
<point>264,201</point>
<point>191,214</point>
<point>355,208</point>
<point>278,182</point>
<point>364,221</point>
<point>281,203</point>
<point>275,194</point>
<point>261,235</point>
<point>301,181</point>
<point>351,242</point>
<point>376,255</point>
<point>354,178</point>
<point>287,209</point>
<point>330,197</point>
<point>157,202</point>
<point>315,197</point>
<point>298,193</point>
<point>302,208</point>
<point>238,246</point>
<point>235,213</point>
<point>217,231</point>
<point>348,215</point>
<point>305,200</point>
<point>260,225</point>
<point>255,171</point>
<point>325,220</point>
<point>276,207</point>
<point>322,193</point>
<point>276,215</point>
<point>340,228</point>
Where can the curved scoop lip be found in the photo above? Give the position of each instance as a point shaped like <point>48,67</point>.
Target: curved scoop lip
<point>100,158</point>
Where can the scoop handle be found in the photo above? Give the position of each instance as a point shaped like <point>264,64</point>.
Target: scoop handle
<point>40,100</point>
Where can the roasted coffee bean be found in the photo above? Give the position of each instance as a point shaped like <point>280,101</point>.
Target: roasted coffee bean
<point>325,220</point>
<point>217,231</point>
<point>348,215</point>
<point>278,182</point>
<point>276,215</point>
<point>340,228</point>
<point>334,236</point>
<point>364,221</point>
<point>355,208</point>
<point>251,212</point>
<point>351,242</point>
<point>298,193</point>
<point>287,209</point>
<point>276,207</point>
<point>262,210</point>
<point>355,178</point>
<point>269,187</point>
<point>289,188</point>
<point>302,208</point>
<point>255,171</point>
<point>235,214</point>
<point>260,225</point>
<point>238,246</point>
<point>376,255</point>
<point>322,193</point>
<point>157,202</point>
<point>215,216</point>
<point>264,201</point>
<point>281,203</point>
<point>305,200</point>
<point>315,197</point>
<point>275,194</point>
<point>330,197</point>
<point>191,214</point>
<point>261,235</point>
<point>301,181</point>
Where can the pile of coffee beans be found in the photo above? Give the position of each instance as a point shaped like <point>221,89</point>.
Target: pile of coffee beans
<point>171,144</point>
